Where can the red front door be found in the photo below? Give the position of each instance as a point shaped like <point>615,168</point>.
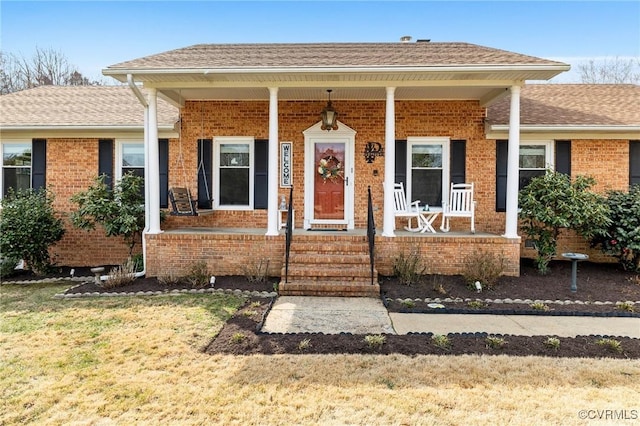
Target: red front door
<point>329,182</point>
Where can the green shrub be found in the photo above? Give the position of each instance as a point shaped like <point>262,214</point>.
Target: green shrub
<point>8,266</point>
<point>539,306</point>
<point>552,343</point>
<point>409,268</point>
<point>120,211</point>
<point>138,262</point>
<point>375,341</point>
<point>476,304</point>
<point>495,342</point>
<point>304,344</point>
<point>483,266</point>
<point>408,303</point>
<point>441,341</point>
<point>553,202</point>
<point>621,238</point>
<point>29,227</point>
<point>609,344</point>
<point>626,306</point>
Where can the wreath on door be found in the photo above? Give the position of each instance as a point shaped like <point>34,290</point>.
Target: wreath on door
<point>330,168</point>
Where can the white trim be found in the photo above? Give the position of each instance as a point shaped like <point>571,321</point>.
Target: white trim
<point>549,153</point>
<point>389,223</point>
<point>313,135</point>
<point>345,69</point>
<point>513,156</point>
<point>445,142</point>
<point>89,133</point>
<point>119,152</point>
<point>217,141</point>
<point>567,128</point>
<point>272,163</point>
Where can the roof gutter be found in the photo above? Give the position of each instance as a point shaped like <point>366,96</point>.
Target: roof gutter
<point>569,128</point>
<point>62,127</point>
<point>136,91</point>
<point>382,69</point>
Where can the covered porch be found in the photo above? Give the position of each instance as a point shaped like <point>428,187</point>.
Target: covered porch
<point>407,99</point>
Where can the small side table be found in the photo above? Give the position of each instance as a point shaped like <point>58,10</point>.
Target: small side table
<point>427,218</point>
<point>575,258</point>
<point>282,214</point>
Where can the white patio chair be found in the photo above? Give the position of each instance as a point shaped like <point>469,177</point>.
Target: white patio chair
<point>402,209</point>
<point>461,204</point>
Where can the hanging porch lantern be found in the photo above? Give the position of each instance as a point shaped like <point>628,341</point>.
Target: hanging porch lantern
<point>329,116</point>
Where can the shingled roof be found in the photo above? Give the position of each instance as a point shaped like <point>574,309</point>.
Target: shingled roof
<point>116,106</point>
<point>573,105</point>
<point>329,55</point>
<point>79,106</point>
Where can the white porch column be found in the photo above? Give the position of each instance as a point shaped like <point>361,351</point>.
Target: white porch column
<point>389,164</point>
<point>511,221</point>
<point>272,212</point>
<point>153,181</point>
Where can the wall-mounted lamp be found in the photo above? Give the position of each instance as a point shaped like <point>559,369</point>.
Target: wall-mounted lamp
<point>373,150</point>
<point>329,116</point>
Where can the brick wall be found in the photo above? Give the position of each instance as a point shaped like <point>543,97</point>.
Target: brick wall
<point>224,254</point>
<point>72,164</point>
<point>447,254</point>
<point>231,254</point>
<point>208,119</point>
<point>608,162</point>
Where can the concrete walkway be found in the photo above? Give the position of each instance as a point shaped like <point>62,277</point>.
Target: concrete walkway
<point>360,315</point>
<point>329,315</point>
<point>517,325</point>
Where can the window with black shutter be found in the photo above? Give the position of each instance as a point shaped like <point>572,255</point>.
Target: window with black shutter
<point>534,158</point>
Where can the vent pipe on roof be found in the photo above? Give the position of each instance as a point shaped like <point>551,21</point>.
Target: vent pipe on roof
<point>405,39</point>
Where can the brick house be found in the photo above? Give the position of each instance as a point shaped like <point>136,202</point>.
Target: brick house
<point>237,125</point>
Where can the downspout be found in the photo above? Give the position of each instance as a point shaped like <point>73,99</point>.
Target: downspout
<point>136,91</point>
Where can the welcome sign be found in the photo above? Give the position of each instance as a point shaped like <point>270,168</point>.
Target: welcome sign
<point>286,171</point>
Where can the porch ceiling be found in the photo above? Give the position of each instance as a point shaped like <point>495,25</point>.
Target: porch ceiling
<point>484,93</point>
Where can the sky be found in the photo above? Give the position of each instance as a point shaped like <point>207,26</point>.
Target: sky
<point>95,34</point>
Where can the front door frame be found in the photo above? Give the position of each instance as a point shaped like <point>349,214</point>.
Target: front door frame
<point>344,134</point>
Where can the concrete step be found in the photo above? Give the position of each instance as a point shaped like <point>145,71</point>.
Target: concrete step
<point>328,259</point>
<point>346,271</point>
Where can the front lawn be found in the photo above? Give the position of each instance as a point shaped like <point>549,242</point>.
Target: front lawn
<point>139,360</point>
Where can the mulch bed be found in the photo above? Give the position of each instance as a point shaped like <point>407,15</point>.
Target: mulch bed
<point>596,282</point>
<point>240,336</point>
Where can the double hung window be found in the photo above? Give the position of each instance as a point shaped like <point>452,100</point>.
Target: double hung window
<point>234,164</point>
<point>130,159</point>
<point>428,170</point>
<point>16,166</point>
<point>533,160</point>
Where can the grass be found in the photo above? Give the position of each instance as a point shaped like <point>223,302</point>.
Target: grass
<point>138,360</point>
